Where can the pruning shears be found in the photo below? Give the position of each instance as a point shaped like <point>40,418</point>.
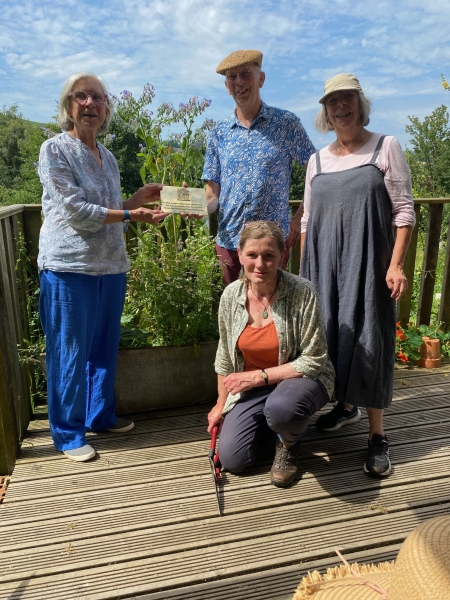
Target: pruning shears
<point>214,463</point>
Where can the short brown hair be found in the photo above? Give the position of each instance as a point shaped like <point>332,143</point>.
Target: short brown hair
<point>255,230</point>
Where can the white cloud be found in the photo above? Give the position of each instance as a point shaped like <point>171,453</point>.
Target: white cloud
<point>397,48</point>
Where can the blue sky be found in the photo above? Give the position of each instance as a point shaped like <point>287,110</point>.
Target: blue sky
<point>397,48</point>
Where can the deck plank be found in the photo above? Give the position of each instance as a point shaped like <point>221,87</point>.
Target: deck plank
<point>140,521</point>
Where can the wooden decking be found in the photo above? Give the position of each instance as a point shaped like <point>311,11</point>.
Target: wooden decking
<point>141,520</point>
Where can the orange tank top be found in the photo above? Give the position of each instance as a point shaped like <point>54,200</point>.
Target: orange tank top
<point>259,347</point>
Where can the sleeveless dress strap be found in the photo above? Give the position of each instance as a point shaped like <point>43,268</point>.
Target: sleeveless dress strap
<point>377,150</point>
<point>318,168</point>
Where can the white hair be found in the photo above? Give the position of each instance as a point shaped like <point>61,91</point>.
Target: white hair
<point>63,119</point>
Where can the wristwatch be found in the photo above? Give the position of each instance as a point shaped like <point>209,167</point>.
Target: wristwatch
<point>126,217</point>
<point>265,377</point>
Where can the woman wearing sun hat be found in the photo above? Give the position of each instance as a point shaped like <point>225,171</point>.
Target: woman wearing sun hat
<point>357,190</point>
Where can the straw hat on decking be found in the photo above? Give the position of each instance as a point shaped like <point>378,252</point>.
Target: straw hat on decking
<point>421,572</point>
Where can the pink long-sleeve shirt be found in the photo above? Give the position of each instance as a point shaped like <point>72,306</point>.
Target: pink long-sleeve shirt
<point>390,161</point>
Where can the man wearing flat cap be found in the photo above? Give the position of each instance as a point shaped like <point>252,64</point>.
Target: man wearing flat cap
<point>249,159</point>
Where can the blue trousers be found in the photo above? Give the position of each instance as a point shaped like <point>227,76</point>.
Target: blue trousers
<point>80,315</point>
<point>284,408</point>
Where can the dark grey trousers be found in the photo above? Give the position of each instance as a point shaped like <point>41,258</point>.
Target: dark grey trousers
<point>283,408</point>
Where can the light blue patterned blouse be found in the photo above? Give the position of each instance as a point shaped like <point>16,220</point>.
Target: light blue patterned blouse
<point>75,201</point>
<point>253,168</point>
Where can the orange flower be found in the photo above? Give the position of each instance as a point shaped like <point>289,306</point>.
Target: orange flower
<point>402,357</point>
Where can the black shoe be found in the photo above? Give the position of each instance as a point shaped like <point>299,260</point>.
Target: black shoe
<point>337,417</point>
<point>377,461</point>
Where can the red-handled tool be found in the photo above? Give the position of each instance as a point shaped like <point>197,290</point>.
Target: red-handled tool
<point>214,463</point>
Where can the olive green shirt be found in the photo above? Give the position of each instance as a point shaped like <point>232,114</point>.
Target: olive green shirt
<point>298,321</point>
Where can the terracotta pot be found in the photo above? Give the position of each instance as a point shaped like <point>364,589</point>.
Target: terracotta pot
<point>430,353</point>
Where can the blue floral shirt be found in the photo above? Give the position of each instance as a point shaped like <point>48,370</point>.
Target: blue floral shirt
<point>253,168</point>
<point>75,201</point>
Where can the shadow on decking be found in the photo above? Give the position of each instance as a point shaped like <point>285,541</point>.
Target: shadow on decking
<point>140,521</point>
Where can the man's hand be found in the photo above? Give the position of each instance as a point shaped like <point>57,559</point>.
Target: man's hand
<point>190,215</point>
<point>212,192</point>
<point>294,233</point>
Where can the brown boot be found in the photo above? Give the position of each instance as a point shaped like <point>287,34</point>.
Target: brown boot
<point>284,468</point>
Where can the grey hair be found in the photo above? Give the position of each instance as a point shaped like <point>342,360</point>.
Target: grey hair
<point>63,119</point>
<point>323,125</point>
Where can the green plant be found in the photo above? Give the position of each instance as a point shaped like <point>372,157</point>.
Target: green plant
<point>175,279</point>
<point>167,158</point>
<point>31,350</point>
<point>409,340</point>
<point>20,141</point>
<point>173,288</point>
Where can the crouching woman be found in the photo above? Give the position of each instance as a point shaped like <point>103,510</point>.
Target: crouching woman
<point>272,363</point>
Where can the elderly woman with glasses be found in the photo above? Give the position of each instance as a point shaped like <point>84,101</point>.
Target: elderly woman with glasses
<point>272,363</point>
<point>358,190</point>
<point>82,266</point>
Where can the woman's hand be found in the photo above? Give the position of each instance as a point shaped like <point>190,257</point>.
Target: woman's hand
<point>215,417</point>
<point>146,194</point>
<point>396,281</point>
<point>236,383</point>
<point>148,215</point>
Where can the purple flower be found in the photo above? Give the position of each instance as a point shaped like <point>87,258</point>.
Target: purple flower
<point>49,133</point>
<point>148,94</point>
<point>208,124</point>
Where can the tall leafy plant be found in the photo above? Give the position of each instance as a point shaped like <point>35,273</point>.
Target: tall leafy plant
<point>175,280</point>
<point>173,289</point>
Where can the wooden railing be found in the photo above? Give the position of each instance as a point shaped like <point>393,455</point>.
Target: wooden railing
<point>16,222</point>
<point>430,261</point>
<point>24,221</point>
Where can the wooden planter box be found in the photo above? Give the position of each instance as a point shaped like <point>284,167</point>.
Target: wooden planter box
<point>165,377</point>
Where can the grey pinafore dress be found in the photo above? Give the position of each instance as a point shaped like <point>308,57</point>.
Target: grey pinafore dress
<point>348,248</point>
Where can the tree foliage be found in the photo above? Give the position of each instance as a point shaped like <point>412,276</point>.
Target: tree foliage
<point>123,142</point>
<point>429,155</point>
<point>20,141</point>
<point>297,185</point>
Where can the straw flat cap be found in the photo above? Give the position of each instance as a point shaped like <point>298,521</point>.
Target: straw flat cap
<point>342,81</point>
<point>239,58</point>
<point>421,571</point>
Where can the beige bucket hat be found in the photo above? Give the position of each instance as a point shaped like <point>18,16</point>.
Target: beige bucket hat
<point>421,572</point>
<point>342,81</point>
<point>239,58</point>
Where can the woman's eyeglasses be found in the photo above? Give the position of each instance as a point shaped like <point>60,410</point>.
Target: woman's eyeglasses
<point>82,97</point>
